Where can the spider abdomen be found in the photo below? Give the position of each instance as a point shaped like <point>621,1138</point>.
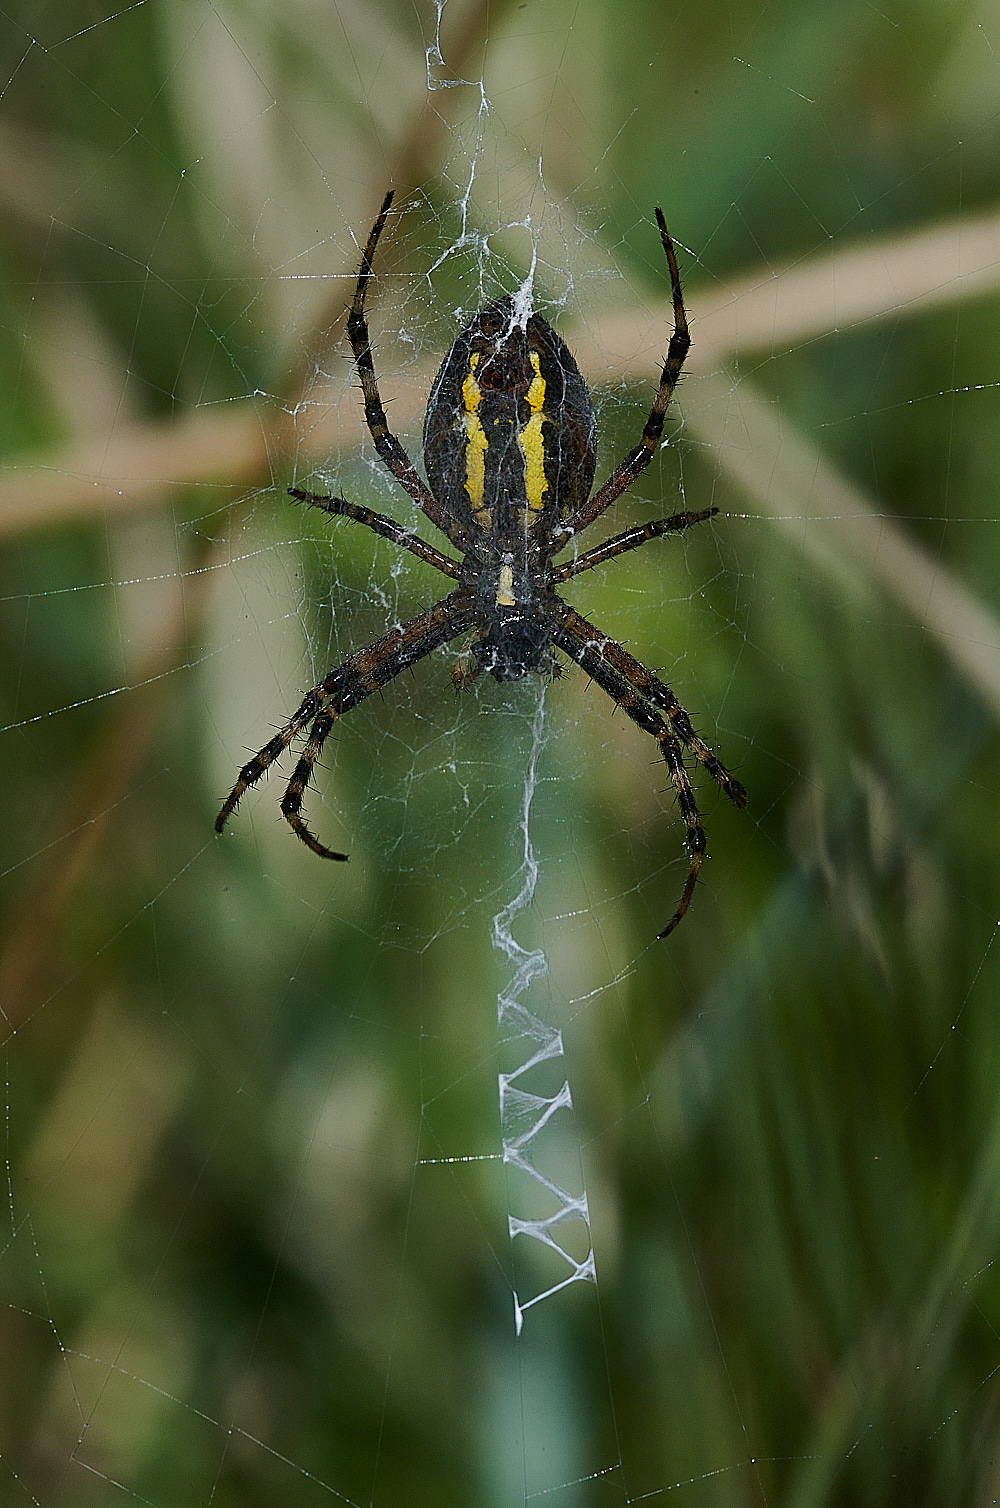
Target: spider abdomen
<point>509,437</point>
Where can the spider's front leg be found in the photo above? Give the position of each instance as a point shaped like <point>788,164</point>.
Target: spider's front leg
<point>351,683</point>
<point>651,722</point>
<point>265,757</point>
<point>696,840</point>
<point>575,635</point>
<point>607,663</point>
<point>291,801</point>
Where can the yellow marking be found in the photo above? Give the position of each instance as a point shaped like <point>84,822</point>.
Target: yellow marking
<point>530,440</point>
<point>505,597</point>
<point>475,443</point>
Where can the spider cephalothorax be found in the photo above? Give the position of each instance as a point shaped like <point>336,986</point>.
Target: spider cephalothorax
<point>510,451</point>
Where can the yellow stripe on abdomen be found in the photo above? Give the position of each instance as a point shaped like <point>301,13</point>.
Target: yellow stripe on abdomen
<point>530,440</point>
<point>475,436</point>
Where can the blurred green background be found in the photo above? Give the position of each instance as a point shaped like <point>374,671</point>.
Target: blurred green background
<point>255,1247</point>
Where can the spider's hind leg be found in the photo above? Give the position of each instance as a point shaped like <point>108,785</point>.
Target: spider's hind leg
<point>639,458</point>
<point>388,446</point>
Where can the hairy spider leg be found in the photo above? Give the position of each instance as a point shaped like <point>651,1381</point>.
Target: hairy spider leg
<point>407,539</point>
<point>697,843</point>
<point>360,676</point>
<point>350,683</point>
<point>386,443</point>
<point>265,757</point>
<point>589,658</point>
<point>291,801</point>
<point>638,459</point>
<point>578,632</point>
<point>631,539</point>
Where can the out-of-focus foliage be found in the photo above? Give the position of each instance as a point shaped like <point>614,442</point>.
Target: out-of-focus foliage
<point>239,1266</point>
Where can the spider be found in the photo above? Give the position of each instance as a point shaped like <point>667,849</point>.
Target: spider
<point>510,455</point>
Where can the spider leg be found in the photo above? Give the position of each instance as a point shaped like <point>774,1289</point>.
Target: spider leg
<point>350,683</point>
<point>465,669</point>
<point>291,801</point>
<point>696,840</point>
<point>386,443</point>
<point>630,540</point>
<point>265,757</point>
<point>645,717</point>
<point>638,459</point>
<point>578,637</point>
<point>387,527</point>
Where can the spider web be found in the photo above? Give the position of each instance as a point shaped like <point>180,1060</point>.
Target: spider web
<point>268,1215</point>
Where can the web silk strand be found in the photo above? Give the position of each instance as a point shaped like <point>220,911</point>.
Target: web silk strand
<point>524,1115</point>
